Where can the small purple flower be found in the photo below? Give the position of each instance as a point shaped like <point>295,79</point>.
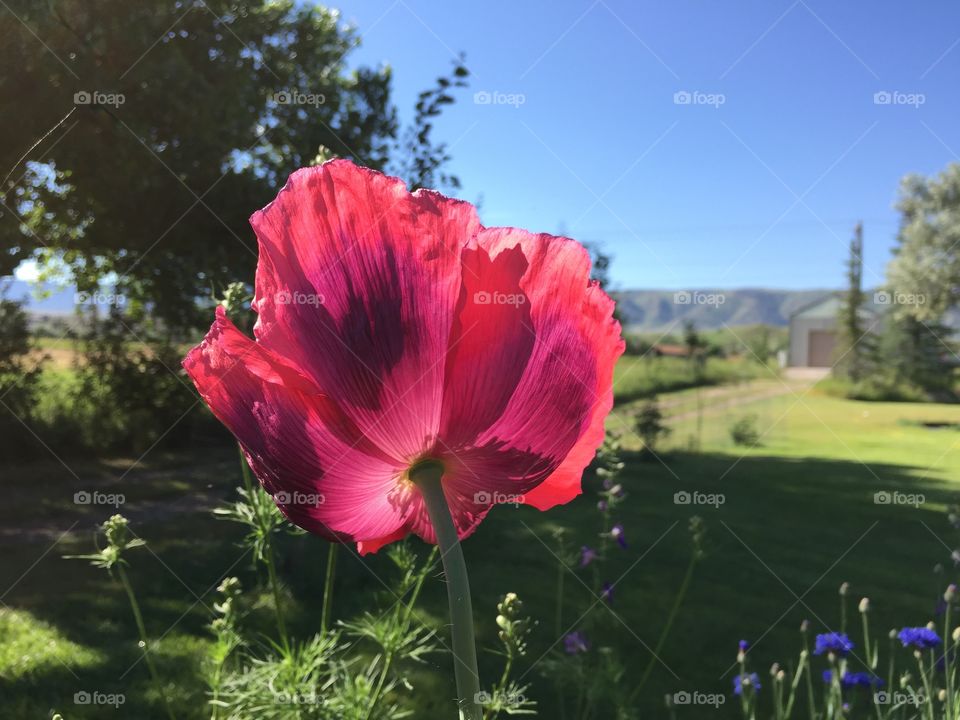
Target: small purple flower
<point>832,642</point>
<point>616,532</point>
<point>602,506</point>
<point>607,592</point>
<point>575,643</point>
<point>587,555</point>
<point>743,645</point>
<point>751,680</point>
<point>921,638</point>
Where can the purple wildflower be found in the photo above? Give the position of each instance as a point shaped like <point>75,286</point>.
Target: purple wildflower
<point>832,642</point>
<point>575,643</point>
<point>921,638</point>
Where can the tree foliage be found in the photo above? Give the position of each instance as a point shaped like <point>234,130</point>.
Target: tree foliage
<point>180,119</point>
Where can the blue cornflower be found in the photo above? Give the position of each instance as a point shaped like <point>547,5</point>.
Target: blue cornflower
<point>832,642</point>
<point>854,679</point>
<point>750,680</point>
<point>922,638</point>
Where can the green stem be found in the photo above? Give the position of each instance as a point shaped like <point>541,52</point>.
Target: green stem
<point>268,559</point>
<point>427,477</point>
<point>328,587</point>
<point>404,626</point>
<point>661,641</point>
<point>275,588</point>
<point>135,606</point>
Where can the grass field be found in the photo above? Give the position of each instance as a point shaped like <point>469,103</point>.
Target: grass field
<point>798,518</point>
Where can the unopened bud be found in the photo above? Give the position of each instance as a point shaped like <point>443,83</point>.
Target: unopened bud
<point>865,605</point>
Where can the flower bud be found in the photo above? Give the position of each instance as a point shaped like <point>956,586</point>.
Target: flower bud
<point>844,589</point>
<point>951,593</point>
<point>865,605</point>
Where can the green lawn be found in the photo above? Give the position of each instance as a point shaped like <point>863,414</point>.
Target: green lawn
<point>643,376</point>
<point>798,518</point>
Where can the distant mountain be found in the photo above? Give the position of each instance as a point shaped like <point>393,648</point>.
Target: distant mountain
<point>659,310</point>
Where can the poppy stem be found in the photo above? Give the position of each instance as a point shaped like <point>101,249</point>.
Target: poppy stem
<point>427,477</point>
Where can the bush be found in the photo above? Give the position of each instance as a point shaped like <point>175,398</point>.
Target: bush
<point>650,426</point>
<point>129,390</point>
<point>744,431</point>
<point>19,380</point>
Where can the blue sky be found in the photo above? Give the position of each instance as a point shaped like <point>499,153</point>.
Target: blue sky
<point>756,182</point>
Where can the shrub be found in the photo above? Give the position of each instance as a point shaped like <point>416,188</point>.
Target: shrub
<point>19,380</point>
<point>744,431</point>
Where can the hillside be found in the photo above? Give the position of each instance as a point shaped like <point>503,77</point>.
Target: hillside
<point>658,310</point>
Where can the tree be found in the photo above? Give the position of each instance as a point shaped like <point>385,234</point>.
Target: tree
<point>924,281</point>
<point>852,350</point>
<point>172,121</point>
<point>926,263</point>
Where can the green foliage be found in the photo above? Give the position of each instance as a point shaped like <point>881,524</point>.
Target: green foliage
<point>186,116</point>
<point>853,349</point>
<point>650,425</point>
<point>744,431</point>
<point>131,392</point>
<point>19,380</point>
<point>926,265</point>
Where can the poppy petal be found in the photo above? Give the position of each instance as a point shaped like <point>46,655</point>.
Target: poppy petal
<point>356,286</point>
<point>324,474</point>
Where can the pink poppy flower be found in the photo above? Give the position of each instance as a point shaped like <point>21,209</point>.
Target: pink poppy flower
<point>394,328</point>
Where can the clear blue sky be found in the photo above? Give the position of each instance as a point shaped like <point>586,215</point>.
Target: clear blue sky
<point>688,195</point>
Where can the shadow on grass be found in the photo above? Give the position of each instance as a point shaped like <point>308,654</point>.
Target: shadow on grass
<point>786,534</point>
